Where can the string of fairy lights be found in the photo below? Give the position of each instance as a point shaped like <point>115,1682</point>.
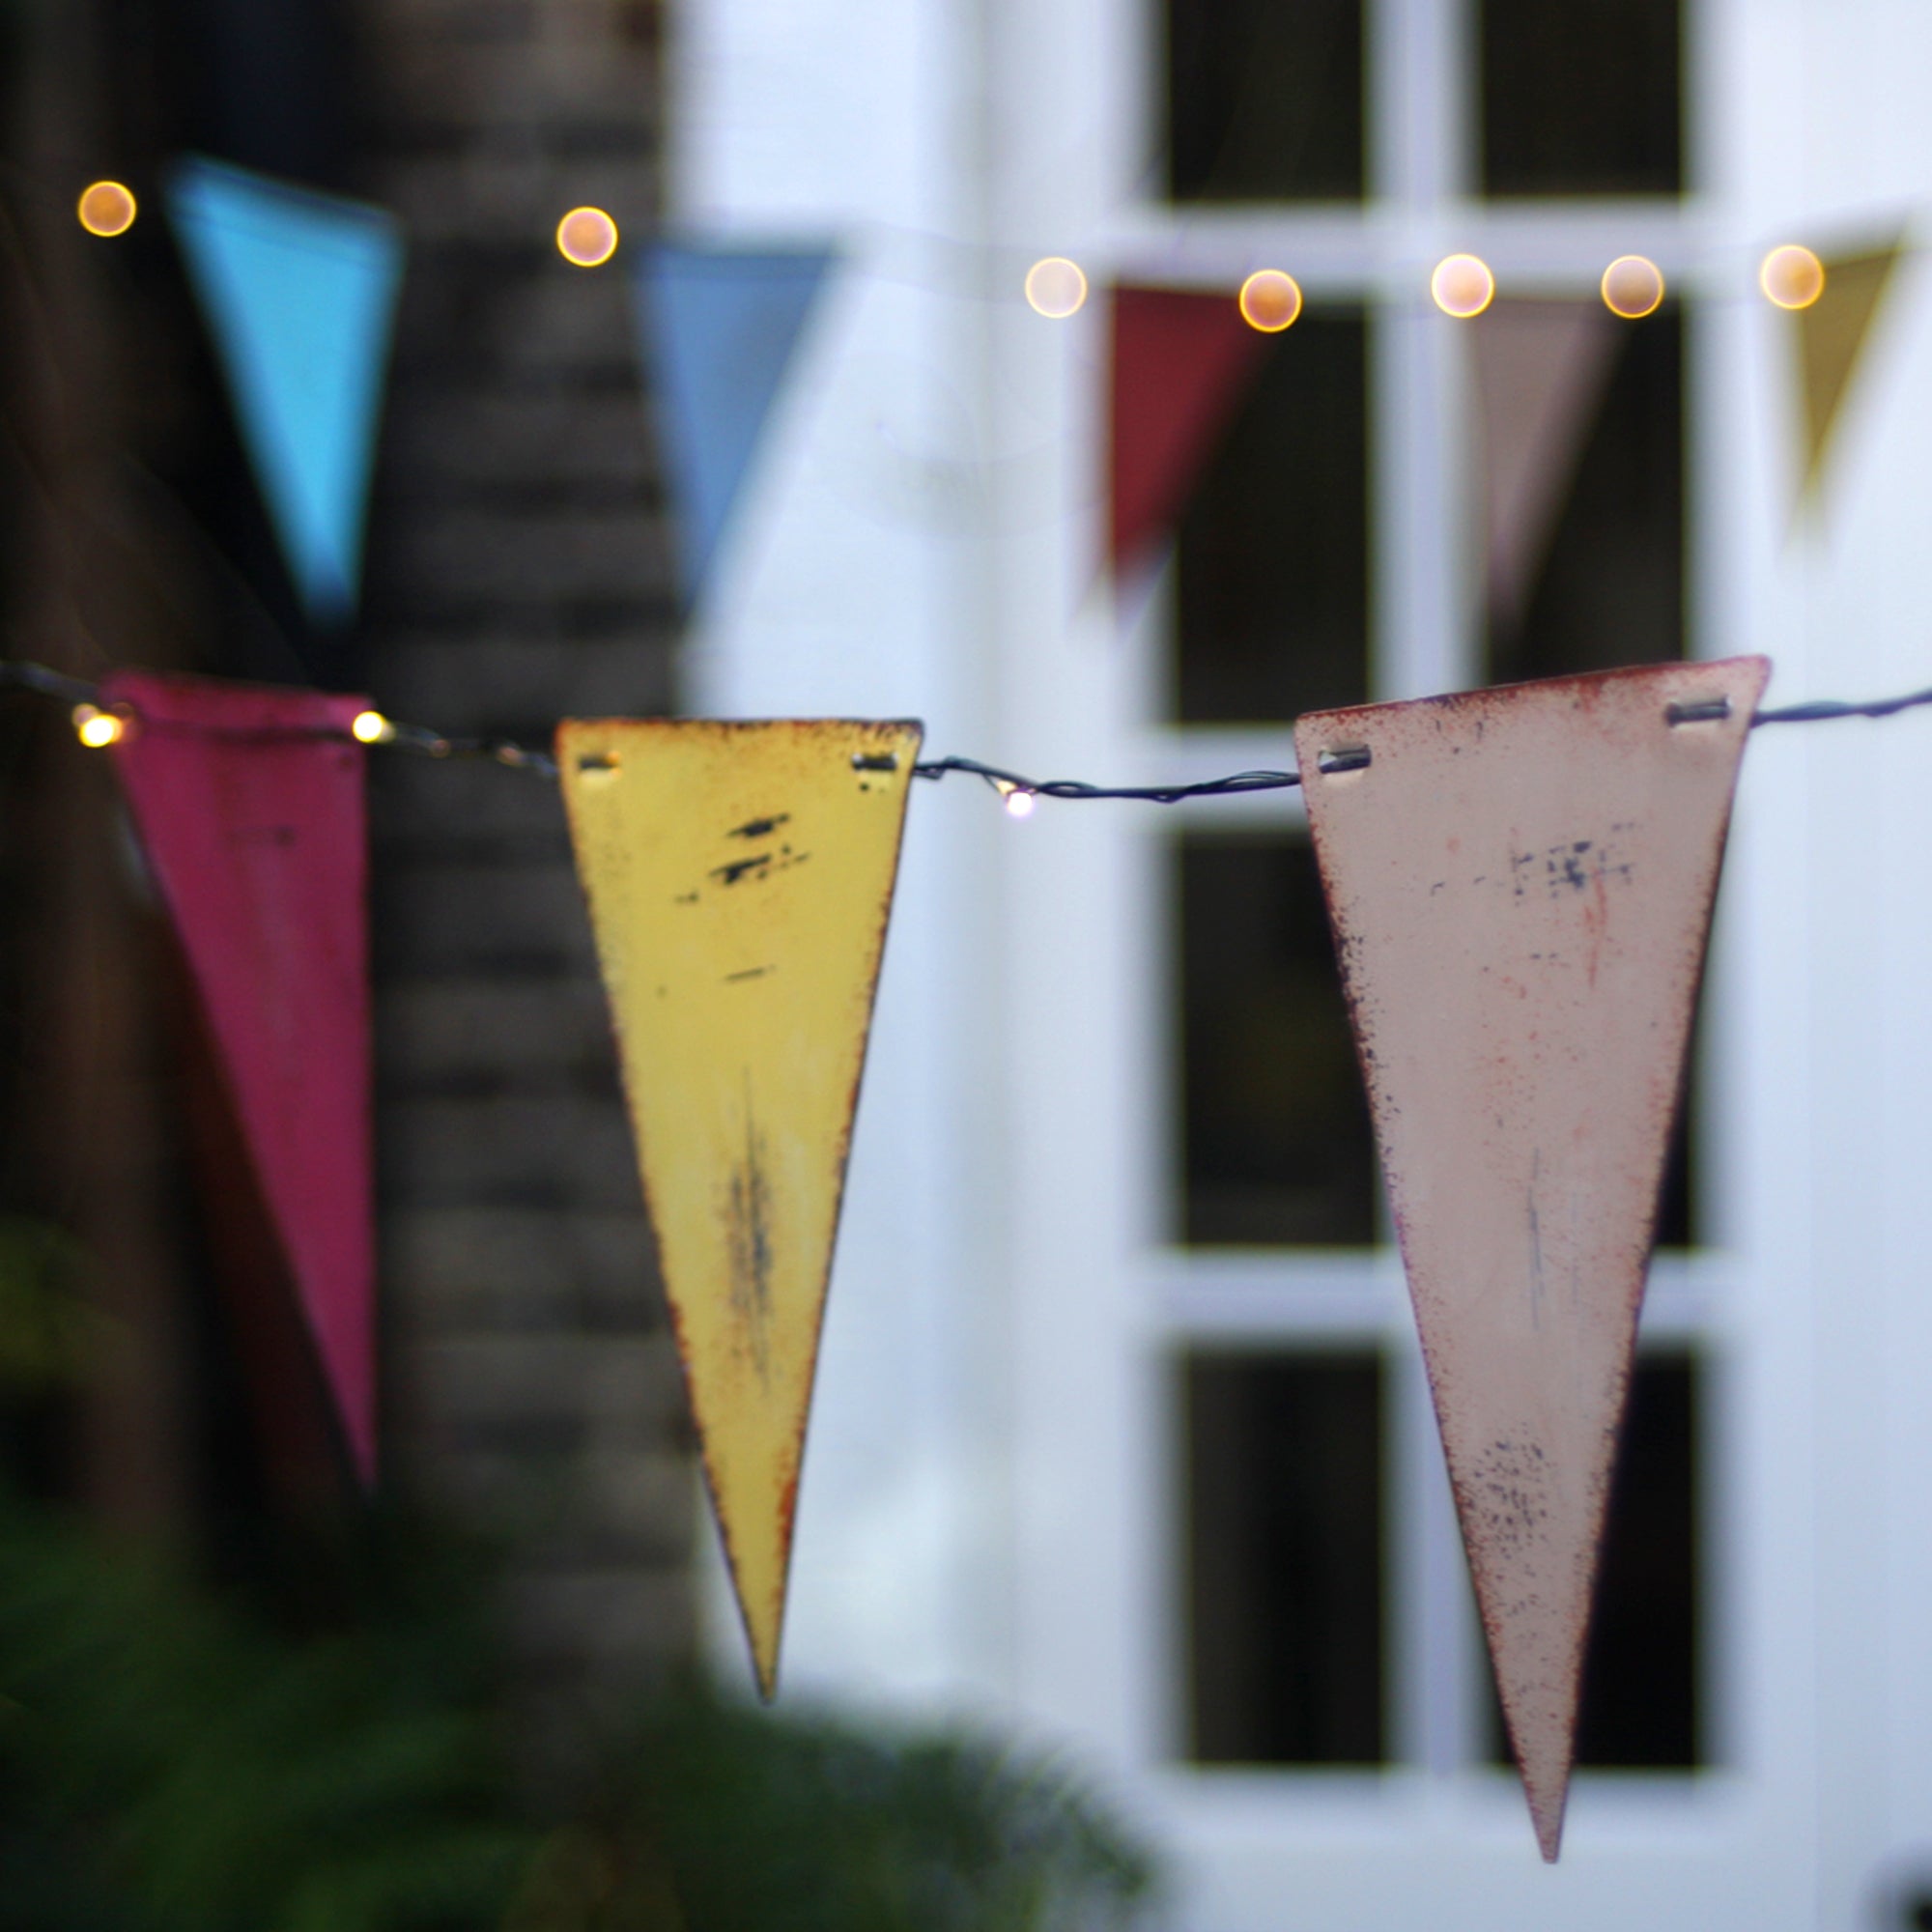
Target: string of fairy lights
<point>99,725</point>
<point>1790,276</point>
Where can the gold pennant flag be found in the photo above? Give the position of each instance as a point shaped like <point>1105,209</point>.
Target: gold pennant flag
<point>1832,336</point>
<point>1521,883</point>
<point>740,879</point>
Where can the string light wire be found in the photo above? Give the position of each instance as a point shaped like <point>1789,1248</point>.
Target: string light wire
<point>372,728</point>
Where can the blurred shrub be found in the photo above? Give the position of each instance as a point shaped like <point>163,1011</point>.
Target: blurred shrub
<point>168,1760</point>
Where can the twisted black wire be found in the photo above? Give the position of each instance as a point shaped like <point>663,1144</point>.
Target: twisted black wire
<point>420,740</point>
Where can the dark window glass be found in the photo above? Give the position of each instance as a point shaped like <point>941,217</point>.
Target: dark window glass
<point>1285,1558</point>
<point>1265,99</point>
<point>1642,1701</point>
<point>1272,562</point>
<point>1583,97</point>
<point>1676,1207</point>
<point>1275,1121</point>
<point>1611,589</point>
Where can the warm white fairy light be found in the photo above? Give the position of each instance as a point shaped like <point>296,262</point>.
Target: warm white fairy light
<point>371,728</point>
<point>1463,286</point>
<point>586,237</point>
<point>95,728</point>
<point>1017,799</point>
<point>1056,286</point>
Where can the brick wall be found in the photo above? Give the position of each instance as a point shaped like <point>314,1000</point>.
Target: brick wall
<point>519,572</point>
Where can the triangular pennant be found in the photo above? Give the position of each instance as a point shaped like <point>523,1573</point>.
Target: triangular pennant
<point>1832,336</point>
<point>1521,883</point>
<point>1181,361</point>
<point>300,291</point>
<point>1541,368</point>
<point>721,326</point>
<point>740,879</point>
<point>249,806</point>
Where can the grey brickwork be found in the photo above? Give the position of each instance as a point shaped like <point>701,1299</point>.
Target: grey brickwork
<point>519,570</point>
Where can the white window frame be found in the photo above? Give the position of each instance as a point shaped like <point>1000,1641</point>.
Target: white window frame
<point>1108,1308</point>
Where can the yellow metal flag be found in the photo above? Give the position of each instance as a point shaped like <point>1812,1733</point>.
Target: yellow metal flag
<point>1832,334</point>
<point>740,878</point>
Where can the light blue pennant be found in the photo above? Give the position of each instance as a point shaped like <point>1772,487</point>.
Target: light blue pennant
<point>299,293</point>
<point>720,328</point>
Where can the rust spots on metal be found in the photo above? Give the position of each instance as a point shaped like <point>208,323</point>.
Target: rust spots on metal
<point>1520,989</point>
<point>748,1241</point>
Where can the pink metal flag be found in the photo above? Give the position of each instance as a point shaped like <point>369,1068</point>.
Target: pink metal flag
<point>249,804</point>
<point>1521,883</point>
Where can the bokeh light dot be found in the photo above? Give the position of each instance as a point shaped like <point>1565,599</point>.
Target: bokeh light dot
<point>371,728</point>
<point>1792,277</point>
<point>95,728</point>
<point>1632,287</point>
<point>1269,301</point>
<point>1056,286</point>
<point>586,237</point>
<point>107,208</point>
<point>1463,286</point>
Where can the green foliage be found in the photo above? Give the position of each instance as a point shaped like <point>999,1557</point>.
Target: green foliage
<point>169,1761</point>
<point>188,1769</point>
<point>733,1820</point>
<point>48,1335</point>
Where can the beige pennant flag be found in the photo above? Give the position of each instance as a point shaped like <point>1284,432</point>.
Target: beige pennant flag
<point>1541,368</point>
<point>1521,884</point>
<point>1832,334</point>
<point>740,879</point>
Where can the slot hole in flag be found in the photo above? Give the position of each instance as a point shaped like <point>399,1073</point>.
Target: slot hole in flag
<point>1344,758</point>
<point>875,761</point>
<point>1700,711</point>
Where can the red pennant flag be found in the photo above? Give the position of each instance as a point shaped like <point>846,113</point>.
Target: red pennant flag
<point>1521,884</point>
<point>1180,362</point>
<point>249,803</point>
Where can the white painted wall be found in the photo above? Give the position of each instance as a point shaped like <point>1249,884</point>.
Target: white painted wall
<point>981,1519</point>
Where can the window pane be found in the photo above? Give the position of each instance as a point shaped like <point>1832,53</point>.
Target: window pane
<point>1272,563</point>
<point>1641,1695</point>
<point>1284,1559</point>
<point>1265,99</point>
<point>1581,99</point>
<point>1275,1123</point>
<point>1610,592</point>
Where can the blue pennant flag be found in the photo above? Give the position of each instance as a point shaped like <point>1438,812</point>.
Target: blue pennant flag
<point>719,328</point>
<point>299,293</point>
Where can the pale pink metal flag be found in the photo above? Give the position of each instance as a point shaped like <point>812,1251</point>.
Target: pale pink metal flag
<point>1541,368</point>
<point>249,804</point>
<point>1521,884</point>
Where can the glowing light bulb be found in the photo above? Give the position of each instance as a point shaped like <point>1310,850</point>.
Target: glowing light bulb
<point>1792,277</point>
<point>1632,287</point>
<point>106,208</point>
<point>586,237</point>
<point>1018,801</point>
<point>1055,287</point>
<point>371,728</point>
<point>1269,301</point>
<point>95,728</point>
<point>1463,286</point>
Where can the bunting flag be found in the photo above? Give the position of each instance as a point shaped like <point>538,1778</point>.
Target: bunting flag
<point>740,879</point>
<point>720,330</point>
<point>1182,362</point>
<point>1832,336</point>
<point>1521,884</point>
<point>249,806</point>
<point>1541,368</point>
<point>300,291</point>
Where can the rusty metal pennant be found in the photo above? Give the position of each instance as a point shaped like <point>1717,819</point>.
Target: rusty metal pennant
<point>1521,883</point>
<point>740,879</point>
